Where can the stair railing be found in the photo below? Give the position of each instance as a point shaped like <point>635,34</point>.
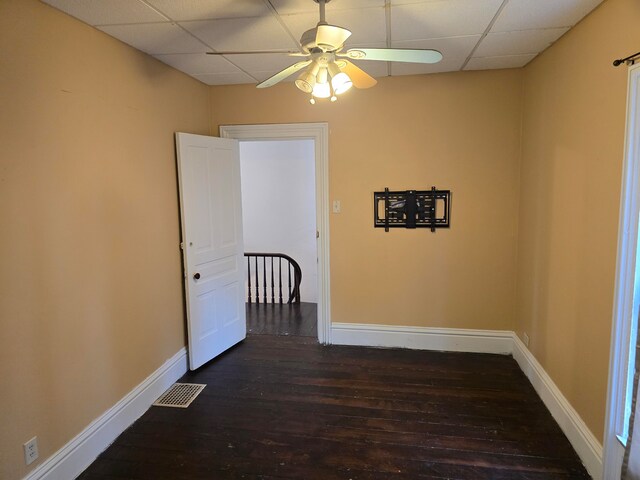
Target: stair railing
<point>264,266</point>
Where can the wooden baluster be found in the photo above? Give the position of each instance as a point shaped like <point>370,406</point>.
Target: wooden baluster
<point>272,288</point>
<point>249,276</point>
<point>253,285</point>
<point>264,278</point>
<point>257,282</point>
<point>280,276</point>
<point>290,289</point>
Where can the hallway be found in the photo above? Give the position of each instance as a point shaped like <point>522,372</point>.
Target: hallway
<point>297,319</point>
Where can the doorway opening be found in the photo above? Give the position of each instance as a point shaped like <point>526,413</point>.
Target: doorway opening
<point>279,225</point>
<point>317,136</point>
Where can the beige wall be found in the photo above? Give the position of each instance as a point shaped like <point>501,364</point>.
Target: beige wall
<point>90,277</point>
<point>572,150</point>
<point>458,131</point>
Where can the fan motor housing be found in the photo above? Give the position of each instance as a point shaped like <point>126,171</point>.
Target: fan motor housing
<point>308,40</point>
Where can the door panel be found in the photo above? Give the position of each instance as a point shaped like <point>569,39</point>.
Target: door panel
<point>210,202</point>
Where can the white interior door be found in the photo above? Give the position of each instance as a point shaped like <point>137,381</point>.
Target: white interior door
<point>210,204</point>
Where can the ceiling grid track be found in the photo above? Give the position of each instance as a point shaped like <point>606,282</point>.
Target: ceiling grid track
<point>161,13</point>
<point>213,50</point>
<point>486,32</point>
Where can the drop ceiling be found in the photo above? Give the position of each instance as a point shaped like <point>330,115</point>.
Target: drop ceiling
<point>471,34</point>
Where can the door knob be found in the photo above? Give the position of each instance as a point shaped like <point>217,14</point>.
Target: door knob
<point>196,276</point>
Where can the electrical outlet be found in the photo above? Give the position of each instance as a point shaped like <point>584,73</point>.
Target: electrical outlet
<point>525,338</point>
<point>31,451</point>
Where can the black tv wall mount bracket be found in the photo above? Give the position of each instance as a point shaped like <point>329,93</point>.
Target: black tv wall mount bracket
<point>412,209</point>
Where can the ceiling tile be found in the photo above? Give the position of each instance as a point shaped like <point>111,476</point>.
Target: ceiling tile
<point>288,7</point>
<point>528,14</point>
<point>367,45</point>
<point>507,61</point>
<point>156,38</point>
<point>455,51</point>
<point>514,43</point>
<point>366,26</point>
<point>224,78</point>
<point>107,12</point>
<point>444,18</point>
<point>198,63</point>
<point>179,10</point>
<point>240,34</point>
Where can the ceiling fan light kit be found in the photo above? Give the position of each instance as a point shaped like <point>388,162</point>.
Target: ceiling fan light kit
<point>315,78</point>
<point>327,73</point>
<point>340,81</point>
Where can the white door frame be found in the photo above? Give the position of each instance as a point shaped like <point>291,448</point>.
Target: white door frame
<point>319,132</point>
<point>625,308</point>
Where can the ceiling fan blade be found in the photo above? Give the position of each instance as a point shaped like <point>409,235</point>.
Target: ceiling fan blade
<point>359,77</point>
<point>281,75</point>
<point>331,36</point>
<point>394,55</point>
<point>252,52</point>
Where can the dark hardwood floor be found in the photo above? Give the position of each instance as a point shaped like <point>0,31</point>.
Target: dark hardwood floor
<point>284,407</point>
<point>298,319</point>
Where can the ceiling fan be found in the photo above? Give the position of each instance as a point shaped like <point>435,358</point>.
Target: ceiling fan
<point>327,69</point>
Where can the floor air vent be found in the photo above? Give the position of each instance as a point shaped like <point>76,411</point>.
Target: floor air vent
<point>180,395</point>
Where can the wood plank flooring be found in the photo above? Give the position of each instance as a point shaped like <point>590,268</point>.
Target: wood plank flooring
<point>298,319</point>
<point>284,407</point>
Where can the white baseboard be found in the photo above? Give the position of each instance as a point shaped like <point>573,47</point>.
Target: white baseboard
<point>484,341</point>
<point>586,445</point>
<point>422,338</point>
<point>72,459</point>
